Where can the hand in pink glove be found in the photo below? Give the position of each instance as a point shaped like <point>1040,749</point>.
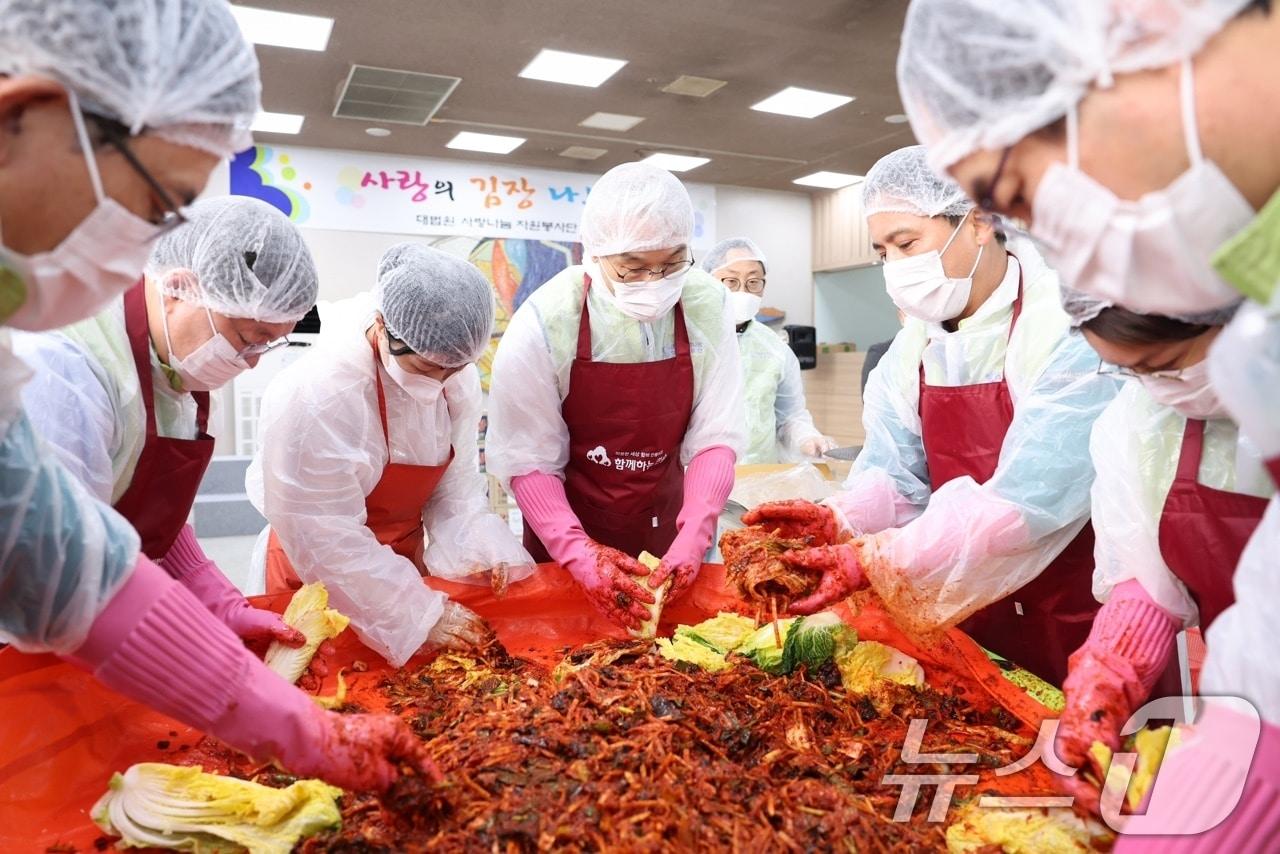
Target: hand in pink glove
<point>188,563</point>
<point>796,519</point>
<point>363,753</point>
<point>841,575</point>
<point>1109,677</point>
<point>707,484</point>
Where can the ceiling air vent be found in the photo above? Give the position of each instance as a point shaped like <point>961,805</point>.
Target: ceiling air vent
<point>391,95</point>
<point>694,87</point>
<point>583,152</point>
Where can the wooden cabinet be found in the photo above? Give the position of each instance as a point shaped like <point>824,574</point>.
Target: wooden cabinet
<point>840,238</point>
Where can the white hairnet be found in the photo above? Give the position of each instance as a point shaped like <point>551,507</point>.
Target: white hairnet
<point>246,257</point>
<point>438,304</point>
<point>1082,308</point>
<point>177,69</point>
<point>903,182</point>
<point>982,74</point>
<point>636,207</point>
<point>731,250</point>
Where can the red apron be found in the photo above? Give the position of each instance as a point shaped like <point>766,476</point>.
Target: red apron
<point>626,424</point>
<point>1203,531</point>
<point>393,509</point>
<point>167,476</point>
<point>1048,618</point>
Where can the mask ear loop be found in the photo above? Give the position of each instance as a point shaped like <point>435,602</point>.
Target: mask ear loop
<point>1073,137</point>
<point>1190,128</point>
<point>90,159</point>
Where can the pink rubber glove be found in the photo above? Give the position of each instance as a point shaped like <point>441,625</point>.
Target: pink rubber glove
<point>841,574</point>
<point>606,575</point>
<point>707,483</point>
<point>1108,678</point>
<point>156,643</point>
<point>188,563</point>
<point>1197,781</point>
<point>796,519</point>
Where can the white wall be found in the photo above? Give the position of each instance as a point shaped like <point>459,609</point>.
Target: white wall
<point>853,307</point>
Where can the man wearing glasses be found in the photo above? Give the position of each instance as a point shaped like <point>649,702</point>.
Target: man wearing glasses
<point>779,426</point>
<point>123,397</point>
<point>616,415</point>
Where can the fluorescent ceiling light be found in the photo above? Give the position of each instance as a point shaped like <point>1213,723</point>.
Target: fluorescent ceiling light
<point>283,29</point>
<point>805,103</point>
<point>676,162</point>
<point>576,69</point>
<point>611,121</point>
<point>266,122</point>
<point>828,180</point>
<point>487,142</point>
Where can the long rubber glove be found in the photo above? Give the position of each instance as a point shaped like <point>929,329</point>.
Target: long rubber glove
<point>796,519</point>
<point>1109,677</point>
<point>156,643</point>
<point>606,575</point>
<point>841,574</point>
<point>188,564</point>
<point>707,483</point>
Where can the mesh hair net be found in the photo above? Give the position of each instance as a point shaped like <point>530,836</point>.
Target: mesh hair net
<point>239,257</point>
<point>1081,308</point>
<point>438,304</point>
<point>636,207</point>
<point>731,250</point>
<point>982,74</point>
<point>903,182</point>
<point>177,69</point>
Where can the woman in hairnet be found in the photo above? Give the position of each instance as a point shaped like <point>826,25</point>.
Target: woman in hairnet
<point>969,503</point>
<point>123,397</point>
<point>107,134</point>
<point>1114,131</point>
<point>1178,492</point>
<point>616,411</point>
<point>778,424</point>
<point>371,439</point>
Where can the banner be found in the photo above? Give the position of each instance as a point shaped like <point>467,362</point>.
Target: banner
<point>358,191</point>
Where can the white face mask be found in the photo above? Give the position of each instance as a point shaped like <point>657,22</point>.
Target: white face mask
<point>423,389</point>
<point>744,306</point>
<point>920,286</point>
<point>211,365</point>
<point>643,301</point>
<point>100,259</point>
<point>1190,393</point>
<point>1151,255</point>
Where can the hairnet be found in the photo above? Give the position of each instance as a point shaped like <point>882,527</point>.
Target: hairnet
<point>246,259</point>
<point>438,304</point>
<point>177,69</point>
<point>636,207</point>
<point>740,248</point>
<point>903,182</point>
<point>982,74</point>
<point>1082,308</point>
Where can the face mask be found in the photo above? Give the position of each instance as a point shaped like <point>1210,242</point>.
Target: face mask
<point>744,306</point>
<point>920,286</point>
<point>1153,255</point>
<point>211,365</point>
<point>1190,393</point>
<point>643,301</point>
<point>100,259</point>
<point>423,389</point>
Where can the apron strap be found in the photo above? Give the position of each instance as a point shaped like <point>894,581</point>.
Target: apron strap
<point>584,326</point>
<point>1192,447</point>
<point>138,331</point>
<point>382,398</point>
<point>682,332</point>
<point>1017,302</point>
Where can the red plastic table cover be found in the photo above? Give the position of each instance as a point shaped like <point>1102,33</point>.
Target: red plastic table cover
<point>62,734</point>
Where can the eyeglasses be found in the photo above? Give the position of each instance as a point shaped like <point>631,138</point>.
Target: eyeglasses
<point>643,274</point>
<point>116,135</point>
<point>263,349</point>
<point>987,194</point>
<point>751,286</point>
<point>1109,370</point>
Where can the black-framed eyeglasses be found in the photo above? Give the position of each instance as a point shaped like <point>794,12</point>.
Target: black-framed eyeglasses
<point>642,274</point>
<point>116,135</point>
<point>987,194</point>
<point>754,285</point>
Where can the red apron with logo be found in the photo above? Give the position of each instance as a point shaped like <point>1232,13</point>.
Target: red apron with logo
<point>626,424</point>
<point>1048,618</point>
<point>393,509</point>
<point>168,474</point>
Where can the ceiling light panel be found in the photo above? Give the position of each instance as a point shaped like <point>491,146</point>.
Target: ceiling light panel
<point>828,180</point>
<point>803,103</point>
<point>676,162</point>
<point>266,122</point>
<point>283,29</point>
<point>574,69</point>
<point>611,121</point>
<point>487,142</point>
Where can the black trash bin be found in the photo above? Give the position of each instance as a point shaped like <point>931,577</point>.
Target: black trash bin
<point>803,341</point>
